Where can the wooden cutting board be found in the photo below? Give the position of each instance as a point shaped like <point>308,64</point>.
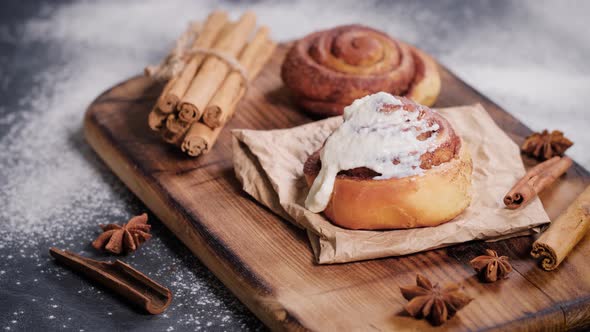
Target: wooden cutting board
<point>268,263</point>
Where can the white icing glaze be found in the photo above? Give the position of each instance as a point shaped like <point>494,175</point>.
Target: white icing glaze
<point>373,139</point>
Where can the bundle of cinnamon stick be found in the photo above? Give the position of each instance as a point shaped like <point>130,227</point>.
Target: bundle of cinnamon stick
<point>215,69</point>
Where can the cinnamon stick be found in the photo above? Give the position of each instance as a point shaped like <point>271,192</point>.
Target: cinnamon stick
<point>561,237</point>
<point>261,59</point>
<point>214,70</point>
<point>210,32</point>
<point>121,278</point>
<point>174,129</point>
<point>252,58</point>
<point>199,139</point>
<point>535,180</point>
<point>156,117</point>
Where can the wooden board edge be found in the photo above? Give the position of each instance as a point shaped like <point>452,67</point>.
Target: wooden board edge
<point>577,314</point>
<point>257,297</point>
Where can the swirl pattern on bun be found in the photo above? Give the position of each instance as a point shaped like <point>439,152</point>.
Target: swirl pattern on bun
<point>420,184</point>
<point>328,70</point>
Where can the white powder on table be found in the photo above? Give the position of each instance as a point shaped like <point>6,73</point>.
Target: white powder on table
<point>51,180</point>
<point>54,190</point>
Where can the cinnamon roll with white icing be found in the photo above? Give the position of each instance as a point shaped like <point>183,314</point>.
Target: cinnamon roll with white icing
<point>391,164</point>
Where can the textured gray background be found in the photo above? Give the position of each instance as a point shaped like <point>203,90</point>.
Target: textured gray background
<point>56,56</point>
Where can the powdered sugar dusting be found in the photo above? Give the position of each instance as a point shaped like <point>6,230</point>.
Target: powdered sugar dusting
<point>54,190</point>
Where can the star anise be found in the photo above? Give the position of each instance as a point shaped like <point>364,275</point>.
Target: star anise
<point>491,267</point>
<point>433,303</point>
<point>546,145</point>
<point>128,237</point>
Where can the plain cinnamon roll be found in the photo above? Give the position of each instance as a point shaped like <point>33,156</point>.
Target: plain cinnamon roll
<point>329,69</point>
<point>391,164</point>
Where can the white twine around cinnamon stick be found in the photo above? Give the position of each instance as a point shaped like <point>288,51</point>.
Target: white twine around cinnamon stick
<point>201,137</point>
<point>212,64</point>
<point>230,60</point>
<point>188,114</point>
<point>175,61</point>
<point>214,70</point>
<point>212,30</point>
<point>256,53</point>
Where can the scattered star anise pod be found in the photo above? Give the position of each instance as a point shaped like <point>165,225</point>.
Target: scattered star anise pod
<point>546,145</point>
<point>491,267</point>
<point>433,303</point>
<point>117,239</point>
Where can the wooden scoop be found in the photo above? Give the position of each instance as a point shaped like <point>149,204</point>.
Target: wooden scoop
<point>121,278</point>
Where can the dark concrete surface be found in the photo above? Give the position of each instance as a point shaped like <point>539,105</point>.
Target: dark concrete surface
<point>56,56</point>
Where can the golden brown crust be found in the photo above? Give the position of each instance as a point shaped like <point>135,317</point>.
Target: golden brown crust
<point>432,198</point>
<point>426,85</point>
<point>329,69</point>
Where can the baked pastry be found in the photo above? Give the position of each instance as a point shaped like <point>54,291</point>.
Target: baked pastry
<point>392,164</point>
<point>328,70</point>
